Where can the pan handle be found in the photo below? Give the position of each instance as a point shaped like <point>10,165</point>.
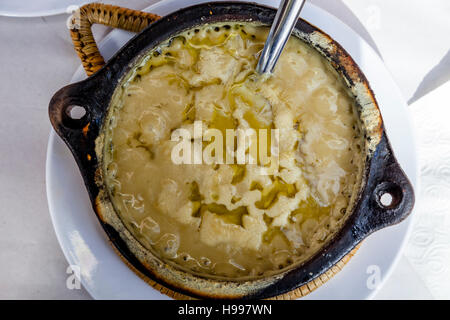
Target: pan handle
<point>388,197</point>
<point>76,116</point>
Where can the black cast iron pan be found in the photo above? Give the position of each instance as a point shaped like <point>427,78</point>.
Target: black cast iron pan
<point>382,174</point>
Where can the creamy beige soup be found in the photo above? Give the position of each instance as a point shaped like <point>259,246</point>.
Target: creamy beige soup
<point>229,220</point>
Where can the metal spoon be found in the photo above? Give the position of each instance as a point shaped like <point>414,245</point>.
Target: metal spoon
<point>285,19</point>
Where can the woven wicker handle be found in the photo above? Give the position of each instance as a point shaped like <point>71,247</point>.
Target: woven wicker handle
<point>112,16</point>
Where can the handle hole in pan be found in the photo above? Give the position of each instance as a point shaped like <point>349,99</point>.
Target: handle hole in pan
<point>388,195</point>
<point>386,199</point>
<point>75,116</point>
<point>76,112</point>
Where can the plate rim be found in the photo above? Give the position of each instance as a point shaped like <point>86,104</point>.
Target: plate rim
<point>60,8</point>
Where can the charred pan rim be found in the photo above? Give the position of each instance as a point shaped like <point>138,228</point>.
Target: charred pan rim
<point>85,137</point>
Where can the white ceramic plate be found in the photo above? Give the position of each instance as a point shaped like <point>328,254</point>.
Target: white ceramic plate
<point>37,8</point>
<point>105,276</point>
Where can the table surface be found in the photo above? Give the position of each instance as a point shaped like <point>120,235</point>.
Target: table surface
<point>38,58</point>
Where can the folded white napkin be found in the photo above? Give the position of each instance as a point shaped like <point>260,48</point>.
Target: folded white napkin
<point>428,249</point>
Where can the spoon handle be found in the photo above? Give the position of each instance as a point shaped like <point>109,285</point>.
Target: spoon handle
<point>285,19</point>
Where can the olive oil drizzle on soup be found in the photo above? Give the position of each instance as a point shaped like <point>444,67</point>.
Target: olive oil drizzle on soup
<point>229,220</point>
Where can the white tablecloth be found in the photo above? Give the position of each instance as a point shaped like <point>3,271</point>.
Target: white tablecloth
<point>37,58</point>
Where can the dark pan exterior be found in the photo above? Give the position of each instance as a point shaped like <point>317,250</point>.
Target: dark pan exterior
<point>383,173</point>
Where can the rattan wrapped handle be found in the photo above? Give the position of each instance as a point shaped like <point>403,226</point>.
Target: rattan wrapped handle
<point>112,16</point>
